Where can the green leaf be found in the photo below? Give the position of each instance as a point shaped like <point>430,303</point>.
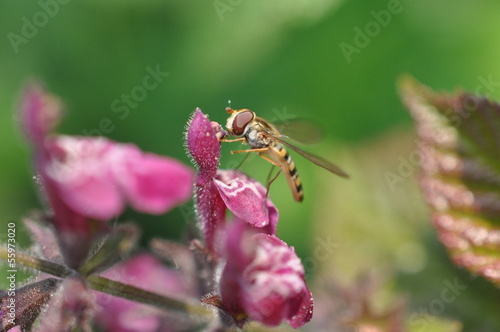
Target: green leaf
<point>459,147</point>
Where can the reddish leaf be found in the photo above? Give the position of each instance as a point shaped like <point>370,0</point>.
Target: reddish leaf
<point>21,306</point>
<point>459,145</point>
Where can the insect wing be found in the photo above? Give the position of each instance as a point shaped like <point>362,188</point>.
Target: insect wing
<point>329,166</point>
<point>303,131</point>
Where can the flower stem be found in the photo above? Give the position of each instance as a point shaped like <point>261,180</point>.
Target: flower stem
<point>116,288</point>
<point>35,263</point>
<point>111,287</point>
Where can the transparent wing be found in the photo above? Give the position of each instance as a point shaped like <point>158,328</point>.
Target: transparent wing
<point>303,131</point>
<point>321,162</point>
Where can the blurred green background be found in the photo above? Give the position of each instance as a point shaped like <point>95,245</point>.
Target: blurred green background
<point>283,59</point>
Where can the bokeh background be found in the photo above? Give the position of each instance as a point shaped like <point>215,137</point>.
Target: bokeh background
<point>334,61</point>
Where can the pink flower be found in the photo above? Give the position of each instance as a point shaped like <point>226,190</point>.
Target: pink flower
<point>218,190</point>
<point>40,113</point>
<point>88,179</point>
<point>96,177</point>
<point>263,279</point>
<point>146,272</point>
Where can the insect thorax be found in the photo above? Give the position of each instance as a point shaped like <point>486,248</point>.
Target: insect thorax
<point>256,139</point>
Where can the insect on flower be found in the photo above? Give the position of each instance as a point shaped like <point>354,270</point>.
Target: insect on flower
<point>265,139</point>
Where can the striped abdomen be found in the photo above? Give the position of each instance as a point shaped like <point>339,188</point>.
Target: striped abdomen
<point>279,154</point>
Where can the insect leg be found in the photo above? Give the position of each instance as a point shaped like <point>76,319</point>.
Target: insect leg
<point>269,180</point>
<point>242,161</point>
<point>270,160</point>
<point>251,150</point>
<point>241,139</point>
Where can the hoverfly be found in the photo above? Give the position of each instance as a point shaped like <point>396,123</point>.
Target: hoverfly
<point>265,139</point>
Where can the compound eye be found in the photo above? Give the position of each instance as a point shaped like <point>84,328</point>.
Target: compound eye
<point>241,121</point>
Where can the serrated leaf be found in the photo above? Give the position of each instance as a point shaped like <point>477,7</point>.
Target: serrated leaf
<point>459,147</point>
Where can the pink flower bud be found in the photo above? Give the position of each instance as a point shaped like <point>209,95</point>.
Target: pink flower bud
<point>263,280</point>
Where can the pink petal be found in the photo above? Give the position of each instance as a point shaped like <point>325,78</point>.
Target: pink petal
<point>97,177</point>
<point>304,312</point>
<point>80,170</point>
<point>246,198</point>
<point>269,311</point>
<point>152,183</point>
<point>74,232</point>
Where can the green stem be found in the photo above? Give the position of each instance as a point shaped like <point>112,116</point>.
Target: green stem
<point>39,264</point>
<point>111,287</point>
<point>116,288</point>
